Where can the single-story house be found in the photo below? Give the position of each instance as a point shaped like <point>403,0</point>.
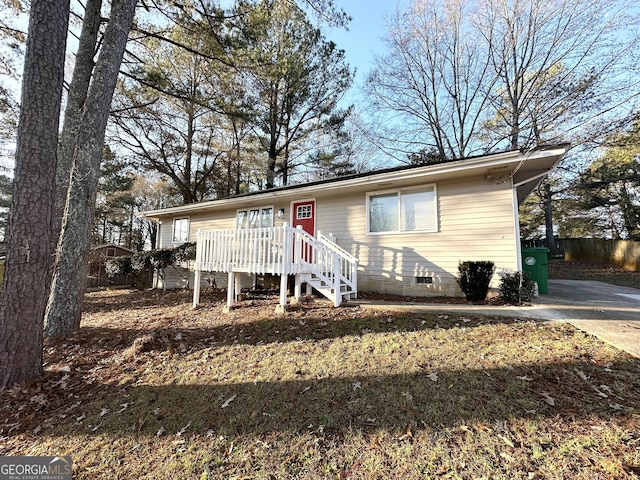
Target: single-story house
<point>400,230</point>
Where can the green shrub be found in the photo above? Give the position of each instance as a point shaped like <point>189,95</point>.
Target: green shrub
<point>474,279</point>
<point>118,266</point>
<point>185,252</point>
<point>140,261</point>
<point>517,288</point>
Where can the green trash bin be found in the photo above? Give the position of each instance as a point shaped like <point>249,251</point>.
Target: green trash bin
<point>535,260</point>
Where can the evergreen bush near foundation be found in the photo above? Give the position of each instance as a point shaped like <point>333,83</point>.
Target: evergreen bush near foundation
<point>517,288</point>
<point>474,279</point>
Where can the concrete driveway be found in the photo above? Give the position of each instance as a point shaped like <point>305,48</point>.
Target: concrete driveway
<point>607,311</point>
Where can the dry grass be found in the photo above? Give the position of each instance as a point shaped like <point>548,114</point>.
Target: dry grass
<point>149,388</point>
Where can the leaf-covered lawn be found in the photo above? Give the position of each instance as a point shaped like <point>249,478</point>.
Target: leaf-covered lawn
<point>150,388</point>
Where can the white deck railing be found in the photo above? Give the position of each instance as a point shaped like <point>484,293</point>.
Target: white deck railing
<point>277,250</point>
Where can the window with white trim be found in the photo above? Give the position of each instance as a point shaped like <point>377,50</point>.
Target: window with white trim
<point>304,211</point>
<point>413,210</point>
<point>254,218</point>
<point>181,230</point>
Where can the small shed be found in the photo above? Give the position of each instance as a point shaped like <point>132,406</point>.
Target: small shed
<point>97,275</point>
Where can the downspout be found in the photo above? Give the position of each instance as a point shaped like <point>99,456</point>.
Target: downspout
<point>516,226</point>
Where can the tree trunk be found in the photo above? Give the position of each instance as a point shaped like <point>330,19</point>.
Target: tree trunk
<point>271,168</point>
<point>76,97</point>
<point>24,294</point>
<point>548,219</point>
<point>67,288</point>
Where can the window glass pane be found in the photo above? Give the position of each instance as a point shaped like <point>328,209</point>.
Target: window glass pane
<point>383,213</point>
<point>181,230</point>
<point>254,218</point>
<point>418,211</point>
<point>267,217</point>
<point>303,211</point>
<point>241,220</point>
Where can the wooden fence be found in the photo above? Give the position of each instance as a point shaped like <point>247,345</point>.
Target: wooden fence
<point>625,253</point>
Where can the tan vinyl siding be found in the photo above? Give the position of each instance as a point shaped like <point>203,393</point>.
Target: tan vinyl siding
<point>475,222</point>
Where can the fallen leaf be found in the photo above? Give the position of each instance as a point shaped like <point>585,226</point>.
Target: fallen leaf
<point>433,376</point>
<point>507,457</point>
<point>408,396</point>
<point>582,375</point>
<point>507,441</point>
<point>228,402</point>
<point>524,378</point>
<point>357,385</point>
<point>606,388</point>
<point>549,399</point>
<point>183,429</point>
<point>407,435</point>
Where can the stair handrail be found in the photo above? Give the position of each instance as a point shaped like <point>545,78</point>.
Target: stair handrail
<point>330,270</point>
<point>329,242</point>
<point>350,277</point>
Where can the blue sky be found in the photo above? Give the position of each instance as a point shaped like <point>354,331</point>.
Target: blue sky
<point>364,34</point>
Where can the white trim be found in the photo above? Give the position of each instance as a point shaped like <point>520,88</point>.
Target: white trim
<point>173,230</point>
<point>413,189</point>
<point>260,208</point>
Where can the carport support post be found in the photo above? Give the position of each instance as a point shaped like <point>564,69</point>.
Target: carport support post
<point>196,289</point>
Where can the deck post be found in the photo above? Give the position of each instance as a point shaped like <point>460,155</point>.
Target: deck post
<point>337,299</point>
<point>282,306</point>
<point>230,289</point>
<point>236,287</point>
<point>196,289</point>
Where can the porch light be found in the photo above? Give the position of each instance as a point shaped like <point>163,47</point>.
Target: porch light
<point>281,213</point>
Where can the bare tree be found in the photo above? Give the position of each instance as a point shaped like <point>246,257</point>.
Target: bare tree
<point>24,294</point>
<point>502,74</point>
<point>435,78</point>
<point>563,66</point>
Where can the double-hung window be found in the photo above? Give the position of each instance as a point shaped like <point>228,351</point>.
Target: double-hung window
<point>254,218</point>
<point>411,210</point>
<point>181,230</point>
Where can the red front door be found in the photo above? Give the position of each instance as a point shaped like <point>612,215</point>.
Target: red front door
<point>304,214</point>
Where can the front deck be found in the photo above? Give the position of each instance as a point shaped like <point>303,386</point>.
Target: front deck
<point>317,261</point>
